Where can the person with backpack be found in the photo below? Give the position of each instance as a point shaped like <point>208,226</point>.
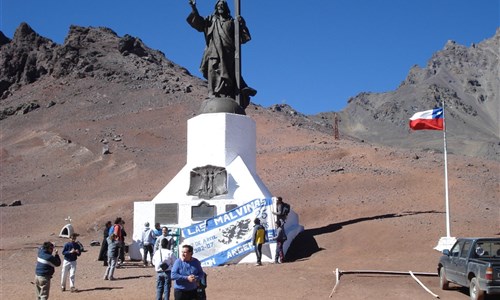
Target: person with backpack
<point>163,260</point>
<point>258,239</point>
<point>282,210</point>
<point>120,233</point>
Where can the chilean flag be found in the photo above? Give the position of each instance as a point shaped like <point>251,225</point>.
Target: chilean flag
<point>429,119</point>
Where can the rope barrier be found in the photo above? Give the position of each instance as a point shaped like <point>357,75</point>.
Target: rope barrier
<point>338,274</point>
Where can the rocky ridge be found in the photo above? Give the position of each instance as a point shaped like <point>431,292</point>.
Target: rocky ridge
<point>86,53</point>
<point>465,78</point>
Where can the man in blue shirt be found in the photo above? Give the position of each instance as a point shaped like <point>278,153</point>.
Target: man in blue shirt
<point>187,273</point>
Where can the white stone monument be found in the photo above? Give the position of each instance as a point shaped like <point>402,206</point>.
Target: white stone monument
<point>67,230</point>
<point>223,140</point>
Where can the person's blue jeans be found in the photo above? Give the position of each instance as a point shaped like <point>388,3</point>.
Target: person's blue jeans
<point>163,284</point>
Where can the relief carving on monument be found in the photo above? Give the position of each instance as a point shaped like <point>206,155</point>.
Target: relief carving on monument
<point>207,182</point>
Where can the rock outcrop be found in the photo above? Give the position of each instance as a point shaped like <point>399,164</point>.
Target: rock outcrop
<point>86,52</point>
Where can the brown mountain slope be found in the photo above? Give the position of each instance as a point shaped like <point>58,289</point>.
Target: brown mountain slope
<point>362,206</point>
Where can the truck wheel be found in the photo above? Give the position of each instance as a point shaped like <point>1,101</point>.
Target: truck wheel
<point>444,284</point>
<point>474,290</point>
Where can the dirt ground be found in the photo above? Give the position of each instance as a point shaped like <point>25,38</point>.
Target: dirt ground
<point>363,207</point>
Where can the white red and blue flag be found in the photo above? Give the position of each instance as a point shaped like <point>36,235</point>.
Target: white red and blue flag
<point>429,119</point>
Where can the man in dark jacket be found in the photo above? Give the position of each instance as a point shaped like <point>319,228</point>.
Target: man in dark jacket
<point>46,263</point>
<point>71,251</point>
<point>280,238</point>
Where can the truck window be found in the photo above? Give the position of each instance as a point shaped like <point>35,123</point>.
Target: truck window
<point>496,250</point>
<point>465,249</point>
<point>455,251</point>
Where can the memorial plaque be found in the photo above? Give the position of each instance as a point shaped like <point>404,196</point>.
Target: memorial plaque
<point>203,212</point>
<point>230,206</point>
<point>167,213</point>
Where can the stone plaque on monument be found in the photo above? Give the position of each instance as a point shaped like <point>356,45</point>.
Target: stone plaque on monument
<point>203,212</point>
<point>167,213</point>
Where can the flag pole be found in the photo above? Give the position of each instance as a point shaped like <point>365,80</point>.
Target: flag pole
<point>448,241</point>
<point>448,233</point>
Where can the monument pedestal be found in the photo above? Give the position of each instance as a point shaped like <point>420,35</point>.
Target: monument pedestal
<point>222,140</point>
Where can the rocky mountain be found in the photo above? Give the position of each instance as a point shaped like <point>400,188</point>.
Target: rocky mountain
<point>466,79</point>
<point>96,53</point>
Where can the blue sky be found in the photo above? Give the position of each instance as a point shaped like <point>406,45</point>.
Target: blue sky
<point>312,55</point>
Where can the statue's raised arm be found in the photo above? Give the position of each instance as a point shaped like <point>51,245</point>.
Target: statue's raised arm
<point>192,3</point>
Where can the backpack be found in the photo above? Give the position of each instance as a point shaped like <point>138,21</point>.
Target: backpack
<point>202,285</point>
<point>286,209</point>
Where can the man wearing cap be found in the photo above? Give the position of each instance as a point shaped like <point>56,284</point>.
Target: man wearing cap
<point>148,239</point>
<point>45,266</point>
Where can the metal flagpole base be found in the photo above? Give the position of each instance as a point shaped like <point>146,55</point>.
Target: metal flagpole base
<point>445,242</point>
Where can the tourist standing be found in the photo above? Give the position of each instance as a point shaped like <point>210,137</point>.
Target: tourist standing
<point>164,235</point>
<point>186,272</point>
<point>120,236</point>
<point>163,261</point>
<point>45,267</point>
<point>147,240</point>
<point>112,257</point>
<point>258,239</point>
<point>280,238</point>
<point>104,246</point>
<point>71,251</point>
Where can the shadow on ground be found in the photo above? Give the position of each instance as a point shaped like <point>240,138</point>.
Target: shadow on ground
<point>100,288</point>
<point>305,245</point>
